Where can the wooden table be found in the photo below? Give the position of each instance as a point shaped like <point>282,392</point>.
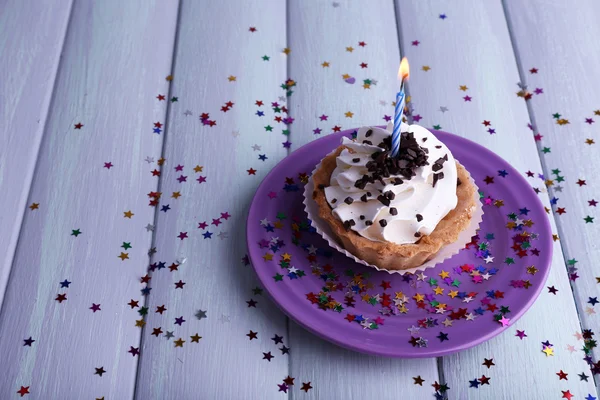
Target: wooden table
<point>101,107</point>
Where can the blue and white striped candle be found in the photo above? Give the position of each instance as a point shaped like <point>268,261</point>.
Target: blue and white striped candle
<point>400,102</point>
<point>403,72</point>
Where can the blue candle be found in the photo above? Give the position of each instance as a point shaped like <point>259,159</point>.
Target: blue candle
<point>399,112</point>
<point>400,101</point>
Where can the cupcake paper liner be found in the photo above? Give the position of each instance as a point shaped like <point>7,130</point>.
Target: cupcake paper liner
<point>311,208</point>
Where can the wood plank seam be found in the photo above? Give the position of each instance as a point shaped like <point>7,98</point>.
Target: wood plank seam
<point>158,189</point>
<point>439,361</point>
<point>44,120</point>
<point>545,170</point>
<point>288,330</point>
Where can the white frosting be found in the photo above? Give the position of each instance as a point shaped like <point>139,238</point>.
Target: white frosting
<point>412,197</point>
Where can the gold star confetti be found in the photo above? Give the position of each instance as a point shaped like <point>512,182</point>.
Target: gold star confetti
<point>597,112</point>
<point>345,76</point>
<point>349,114</point>
<point>196,338</point>
<point>198,168</point>
<point>179,342</point>
<point>268,257</point>
<point>124,256</point>
<point>350,49</point>
<point>128,214</point>
<point>498,203</point>
<point>169,78</point>
<point>286,51</point>
<point>555,237</point>
<point>176,195</point>
<point>162,160</point>
<point>34,206</point>
<point>325,64</point>
<point>140,323</point>
<point>589,141</point>
<point>464,88</point>
<point>532,270</point>
<point>562,121</point>
<point>549,351</point>
<point>425,68</point>
<point>231,78</point>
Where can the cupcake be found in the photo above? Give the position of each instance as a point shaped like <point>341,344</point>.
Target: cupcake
<point>394,213</point>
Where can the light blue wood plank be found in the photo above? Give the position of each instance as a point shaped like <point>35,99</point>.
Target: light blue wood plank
<point>29,59</point>
<point>114,63</point>
<point>559,39</point>
<point>471,46</point>
<point>321,32</point>
<point>214,43</point>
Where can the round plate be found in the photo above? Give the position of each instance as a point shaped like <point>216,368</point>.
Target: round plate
<point>460,303</point>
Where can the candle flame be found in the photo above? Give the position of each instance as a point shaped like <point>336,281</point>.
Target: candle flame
<point>403,71</point>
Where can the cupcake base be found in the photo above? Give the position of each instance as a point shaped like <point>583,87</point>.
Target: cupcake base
<point>391,256</point>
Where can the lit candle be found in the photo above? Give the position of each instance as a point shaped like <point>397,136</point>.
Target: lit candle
<point>403,73</point>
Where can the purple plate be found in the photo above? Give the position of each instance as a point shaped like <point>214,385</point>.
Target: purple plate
<point>466,300</point>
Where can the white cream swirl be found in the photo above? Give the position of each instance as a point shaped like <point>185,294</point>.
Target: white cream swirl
<point>417,205</point>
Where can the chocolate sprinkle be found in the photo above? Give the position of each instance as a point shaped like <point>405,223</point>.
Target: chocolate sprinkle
<point>398,181</point>
<point>458,182</point>
<point>349,223</point>
<point>368,223</point>
<point>367,142</point>
<point>363,198</point>
<point>362,217</point>
<point>369,133</point>
<point>384,200</point>
<point>411,157</point>
<point>361,183</point>
<point>390,195</point>
<point>383,223</point>
<point>348,200</point>
<point>438,164</point>
<point>419,218</point>
<point>333,201</point>
<point>355,159</point>
<point>437,177</point>
<point>417,234</point>
<point>438,147</point>
<point>393,211</point>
